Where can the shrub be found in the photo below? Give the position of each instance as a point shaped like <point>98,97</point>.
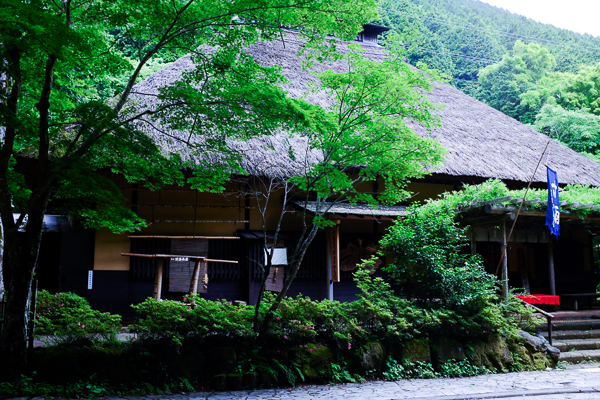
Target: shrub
<point>67,318</point>
<point>428,265</point>
<point>194,318</point>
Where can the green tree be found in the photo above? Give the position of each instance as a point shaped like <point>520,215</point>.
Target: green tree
<point>549,89</point>
<point>59,61</point>
<point>364,134</point>
<point>503,83</point>
<point>418,39</point>
<point>583,91</point>
<point>578,129</point>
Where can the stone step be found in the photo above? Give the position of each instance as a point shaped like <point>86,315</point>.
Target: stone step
<point>581,355</point>
<point>573,334</point>
<point>566,325</point>
<point>577,344</point>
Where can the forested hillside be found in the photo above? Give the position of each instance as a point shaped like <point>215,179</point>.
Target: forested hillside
<point>539,74</point>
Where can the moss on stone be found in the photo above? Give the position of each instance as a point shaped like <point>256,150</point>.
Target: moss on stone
<point>314,361</point>
<point>444,349</point>
<point>372,355</point>
<point>417,350</point>
<point>493,353</point>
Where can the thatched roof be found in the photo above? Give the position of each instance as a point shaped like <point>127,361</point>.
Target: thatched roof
<point>481,141</point>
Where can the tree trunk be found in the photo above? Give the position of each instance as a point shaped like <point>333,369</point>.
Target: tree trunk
<point>20,260</point>
<point>1,261</point>
<point>20,265</point>
<point>294,267</point>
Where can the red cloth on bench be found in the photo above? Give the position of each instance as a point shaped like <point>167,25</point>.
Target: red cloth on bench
<point>540,299</point>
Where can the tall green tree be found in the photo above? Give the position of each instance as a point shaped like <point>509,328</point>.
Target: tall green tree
<point>503,83</point>
<point>583,90</point>
<point>59,60</point>
<point>578,129</point>
<point>364,134</point>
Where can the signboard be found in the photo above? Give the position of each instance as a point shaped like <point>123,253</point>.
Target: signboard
<point>279,256</point>
<point>90,279</point>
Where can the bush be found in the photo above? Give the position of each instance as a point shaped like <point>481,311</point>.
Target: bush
<point>428,265</point>
<point>194,318</point>
<point>68,318</point>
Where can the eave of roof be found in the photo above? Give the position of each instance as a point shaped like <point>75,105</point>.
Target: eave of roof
<point>353,209</point>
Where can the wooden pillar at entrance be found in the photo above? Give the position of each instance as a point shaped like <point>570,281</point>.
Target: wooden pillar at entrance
<point>504,263</point>
<point>158,278</point>
<point>333,256</point>
<point>551,267</point>
<point>329,282</point>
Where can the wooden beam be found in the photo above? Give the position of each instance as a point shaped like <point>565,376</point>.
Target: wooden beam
<point>584,206</point>
<point>180,237</point>
<point>484,219</point>
<point>174,190</point>
<point>571,206</point>
<point>200,221</point>
<point>532,201</point>
<point>504,264</point>
<point>493,201</point>
<point>499,209</point>
<point>187,206</point>
<point>162,256</point>
<point>526,202</point>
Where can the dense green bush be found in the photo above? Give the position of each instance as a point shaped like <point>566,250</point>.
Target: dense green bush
<point>193,318</point>
<point>428,264</point>
<point>67,318</point>
<point>211,344</point>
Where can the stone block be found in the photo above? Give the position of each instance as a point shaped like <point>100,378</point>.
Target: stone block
<point>444,349</point>
<point>417,350</point>
<point>373,356</point>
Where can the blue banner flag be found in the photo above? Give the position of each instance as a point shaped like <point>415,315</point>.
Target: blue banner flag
<point>553,211</point>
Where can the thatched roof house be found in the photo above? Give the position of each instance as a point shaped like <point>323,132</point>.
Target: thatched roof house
<point>481,142</point>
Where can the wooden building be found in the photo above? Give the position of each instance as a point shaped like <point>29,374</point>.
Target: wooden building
<point>482,143</point>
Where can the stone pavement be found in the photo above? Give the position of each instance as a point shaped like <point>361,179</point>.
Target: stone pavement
<point>577,382</point>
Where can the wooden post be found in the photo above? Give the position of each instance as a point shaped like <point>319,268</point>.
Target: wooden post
<point>194,281</point>
<point>551,267</point>
<point>504,263</point>
<point>473,242</point>
<point>205,278</point>
<point>334,240</point>
<point>523,261</point>
<point>329,282</point>
<point>158,278</point>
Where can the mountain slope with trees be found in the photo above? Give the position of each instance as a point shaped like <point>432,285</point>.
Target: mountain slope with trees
<point>541,75</point>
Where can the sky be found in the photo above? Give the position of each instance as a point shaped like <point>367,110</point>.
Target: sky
<point>581,16</point>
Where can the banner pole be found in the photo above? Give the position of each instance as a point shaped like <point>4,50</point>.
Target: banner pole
<point>519,211</point>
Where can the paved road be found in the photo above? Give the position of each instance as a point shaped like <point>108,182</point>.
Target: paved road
<point>578,382</point>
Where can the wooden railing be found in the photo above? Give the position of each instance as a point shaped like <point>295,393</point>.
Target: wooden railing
<point>549,317</point>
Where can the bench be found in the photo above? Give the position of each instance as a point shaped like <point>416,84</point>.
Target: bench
<point>546,299</point>
<point>589,297</point>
